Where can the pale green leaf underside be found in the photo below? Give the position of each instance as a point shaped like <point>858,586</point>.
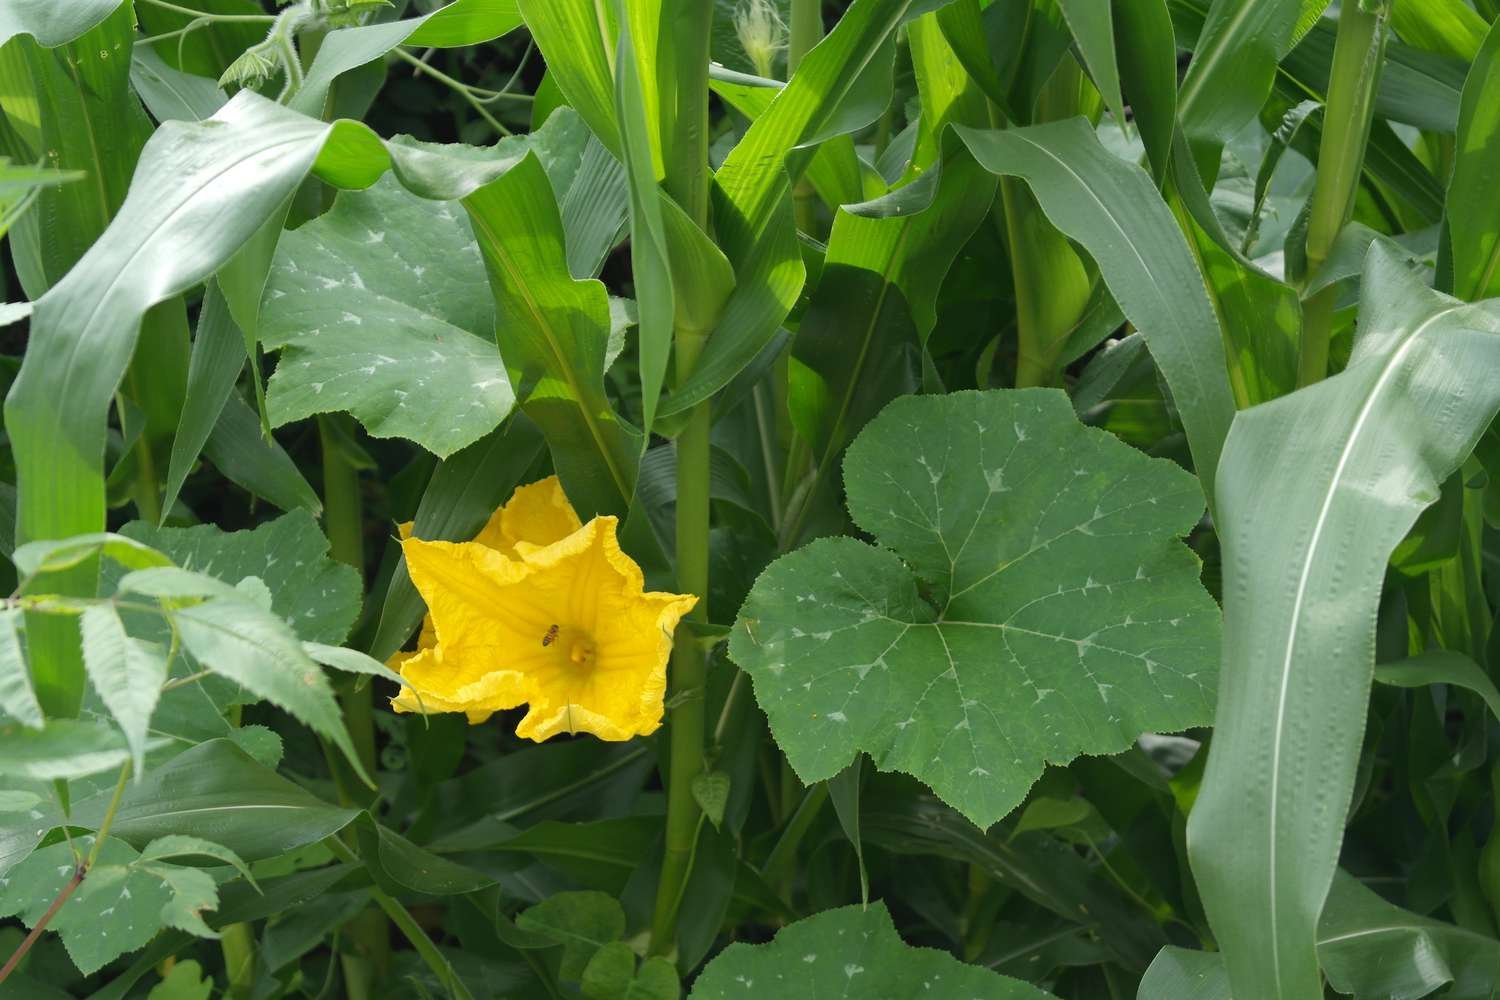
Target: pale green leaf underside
<point>1032,603</point>
<point>853,951</point>
<point>49,22</point>
<point>381,309</point>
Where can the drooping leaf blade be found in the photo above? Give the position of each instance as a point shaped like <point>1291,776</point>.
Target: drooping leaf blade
<point>203,190</point>
<point>52,24</point>
<point>1316,489</point>
<point>217,359</point>
<point>552,329</point>
<point>650,267</point>
<point>1113,210</point>
<point>1368,948</point>
<point>217,792</point>
<point>248,645</point>
<point>1234,63</point>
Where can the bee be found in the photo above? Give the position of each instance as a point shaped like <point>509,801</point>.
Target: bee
<point>550,637</point>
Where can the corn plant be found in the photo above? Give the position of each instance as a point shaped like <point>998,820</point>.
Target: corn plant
<point>637,499</point>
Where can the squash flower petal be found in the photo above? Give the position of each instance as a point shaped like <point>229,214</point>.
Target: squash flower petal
<point>427,638</point>
<point>536,514</point>
<point>566,628</point>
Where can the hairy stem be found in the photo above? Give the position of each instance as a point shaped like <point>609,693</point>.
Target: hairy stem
<point>41,925</point>
<point>79,873</point>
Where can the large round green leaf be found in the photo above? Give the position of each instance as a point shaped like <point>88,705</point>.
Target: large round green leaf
<point>849,952</point>
<point>1030,603</point>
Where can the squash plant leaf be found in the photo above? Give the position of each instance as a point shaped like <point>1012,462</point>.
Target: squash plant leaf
<point>318,597</point>
<point>847,952</point>
<point>1029,602</point>
<point>126,899</point>
<point>380,308</point>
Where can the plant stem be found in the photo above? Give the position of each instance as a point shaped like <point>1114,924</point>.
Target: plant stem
<point>457,86</point>
<point>1051,286</point>
<point>687,177</point>
<point>805,31</point>
<point>41,925</point>
<point>402,918</point>
<point>109,817</point>
<point>689,662</point>
<point>344,520</point>
<point>779,864</point>
<point>143,490</point>
<point>687,168</point>
<point>79,873</point>
<point>1357,56</point>
<point>237,944</point>
<point>210,15</point>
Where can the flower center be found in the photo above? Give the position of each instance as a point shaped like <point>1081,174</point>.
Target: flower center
<point>581,651</point>
<point>574,643</point>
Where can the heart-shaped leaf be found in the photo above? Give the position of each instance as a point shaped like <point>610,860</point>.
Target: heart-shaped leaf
<point>1030,603</point>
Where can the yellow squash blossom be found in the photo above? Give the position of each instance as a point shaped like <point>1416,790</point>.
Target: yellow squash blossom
<point>542,611</point>
<point>536,514</point>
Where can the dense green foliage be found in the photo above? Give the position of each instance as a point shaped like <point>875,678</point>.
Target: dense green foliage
<point>1062,429</point>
